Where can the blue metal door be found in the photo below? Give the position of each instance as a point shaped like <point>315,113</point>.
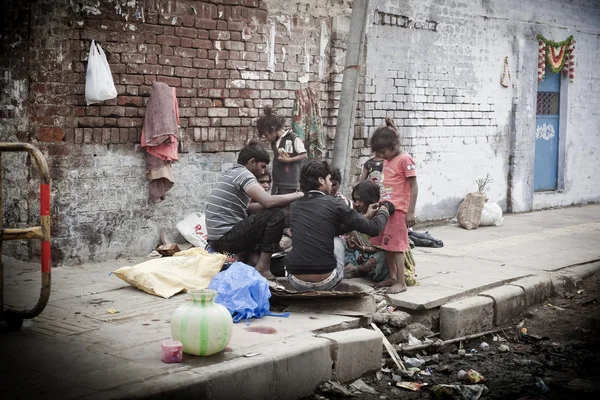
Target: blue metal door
<point>546,134</point>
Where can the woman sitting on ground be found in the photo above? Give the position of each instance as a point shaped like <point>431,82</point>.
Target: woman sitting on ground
<point>363,259</point>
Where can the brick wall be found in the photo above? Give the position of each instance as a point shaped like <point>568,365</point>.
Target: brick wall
<point>226,59</point>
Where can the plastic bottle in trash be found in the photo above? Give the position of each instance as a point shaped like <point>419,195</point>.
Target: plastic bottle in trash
<point>484,346</point>
<point>461,375</point>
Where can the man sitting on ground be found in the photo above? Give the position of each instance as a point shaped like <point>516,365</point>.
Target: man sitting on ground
<point>233,224</point>
<point>317,220</point>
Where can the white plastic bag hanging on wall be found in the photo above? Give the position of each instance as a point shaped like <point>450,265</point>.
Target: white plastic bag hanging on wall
<point>99,84</point>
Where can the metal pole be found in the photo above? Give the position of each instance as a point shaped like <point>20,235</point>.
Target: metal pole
<point>344,132</point>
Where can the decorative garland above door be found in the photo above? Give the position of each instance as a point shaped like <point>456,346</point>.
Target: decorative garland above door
<point>559,55</point>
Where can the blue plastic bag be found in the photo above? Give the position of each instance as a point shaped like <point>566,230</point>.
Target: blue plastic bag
<point>244,291</point>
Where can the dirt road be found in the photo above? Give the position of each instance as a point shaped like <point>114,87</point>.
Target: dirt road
<point>558,357</point>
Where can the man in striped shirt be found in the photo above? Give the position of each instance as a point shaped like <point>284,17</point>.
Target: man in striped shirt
<point>234,225</point>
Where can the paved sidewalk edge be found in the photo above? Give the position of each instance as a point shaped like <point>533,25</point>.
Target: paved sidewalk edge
<point>510,299</point>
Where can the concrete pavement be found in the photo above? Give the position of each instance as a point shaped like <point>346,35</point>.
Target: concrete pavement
<point>76,349</point>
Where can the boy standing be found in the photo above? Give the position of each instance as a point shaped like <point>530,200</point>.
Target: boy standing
<point>288,151</point>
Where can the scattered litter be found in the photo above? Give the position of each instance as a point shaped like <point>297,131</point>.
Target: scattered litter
<point>524,331</point>
<point>397,378</point>
<point>336,388</point>
<point>435,358</point>
<point>27,323</point>
<point>361,386</point>
<point>413,341</point>
<point>414,386</point>
<point>461,349</point>
<point>381,305</point>
<point>112,311</point>
<point>473,351</point>
<point>427,372</point>
<point>539,382</point>
<point>460,375</point>
<point>386,370</point>
<point>251,355</point>
<point>580,291</point>
<point>498,338</point>
<point>466,392</point>
<point>379,375</point>
<point>154,254</point>
<point>503,348</point>
<point>520,324</point>
<point>474,376</point>
<point>555,307</point>
<point>413,361</point>
<point>484,346</point>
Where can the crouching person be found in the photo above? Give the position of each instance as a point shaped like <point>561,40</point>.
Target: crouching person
<point>316,262</point>
<point>234,225</point>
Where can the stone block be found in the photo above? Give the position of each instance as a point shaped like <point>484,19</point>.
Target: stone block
<point>508,302</point>
<point>466,316</point>
<point>299,367</point>
<point>536,288</point>
<point>355,352</point>
<point>257,374</point>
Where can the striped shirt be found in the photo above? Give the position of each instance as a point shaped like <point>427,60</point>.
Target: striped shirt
<point>228,201</point>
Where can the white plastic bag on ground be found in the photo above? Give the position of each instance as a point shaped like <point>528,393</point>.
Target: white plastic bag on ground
<point>491,215</point>
<point>99,84</point>
<point>193,229</point>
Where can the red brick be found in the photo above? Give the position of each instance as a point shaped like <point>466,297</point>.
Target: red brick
<point>198,63</point>
<point>90,121</point>
<point>88,134</point>
<point>132,79</point>
<point>260,15</point>
<point>188,20</point>
<point>151,69</point>
<point>150,37</point>
<point>169,60</point>
<point>203,34</point>
<point>235,25</point>
<point>97,135</point>
<point>203,23</point>
<point>199,102</point>
<point>129,122</point>
<point>222,25</point>
<point>186,32</point>
<point>168,40</point>
<point>151,59</point>
<point>131,111</point>
<point>202,44</point>
<point>185,72</point>
<point>236,36</point>
<point>105,135</point>
<point>186,82</point>
<point>129,101</point>
<point>236,13</point>
<point>186,42</point>
<point>111,111</point>
<point>218,74</point>
<point>213,147</point>
<point>182,92</point>
<point>219,35</point>
<point>167,70</point>
<point>166,19</point>
<point>50,134</point>
<point>185,52</point>
<point>114,135</point>
<point>166,50</point>
<point>123,135</point>
<point>234,146</point>
<point>199,122</point>
<point>173,82</point>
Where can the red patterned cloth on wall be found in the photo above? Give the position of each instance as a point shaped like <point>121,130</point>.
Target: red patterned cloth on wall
<point>159,138</point>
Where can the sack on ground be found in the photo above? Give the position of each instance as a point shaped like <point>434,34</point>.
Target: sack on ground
<point>99,84</point>
<point>244,292</point>
<point>469,212</point>
<point>193,229</point>
<point>164,277</point>
<point>491,215</point>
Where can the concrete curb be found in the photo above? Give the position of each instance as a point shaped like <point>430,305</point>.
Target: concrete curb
<point>285,370</point>
<point>472,314</point>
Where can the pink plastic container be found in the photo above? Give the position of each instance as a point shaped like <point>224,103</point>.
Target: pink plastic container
<point>172,351</point>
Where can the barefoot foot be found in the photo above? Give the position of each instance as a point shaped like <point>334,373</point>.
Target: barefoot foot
<point>386,283</point>
<point>267,275</point>
<point>396,288</point>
